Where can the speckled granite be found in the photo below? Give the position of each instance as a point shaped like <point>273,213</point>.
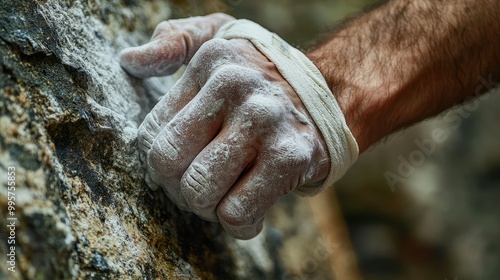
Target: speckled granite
<point>68,119</point>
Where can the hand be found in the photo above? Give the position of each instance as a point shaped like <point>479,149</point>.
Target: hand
<point>173,43</point>
<point>231,137</point>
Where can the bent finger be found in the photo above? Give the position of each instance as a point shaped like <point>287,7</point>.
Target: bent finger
<point>182,139</point>
<point>186,88</point>
<point>168,106</point>
<point>173,43</point>
<point>156,58</point>
<point>215,170</point>
<point>243,208</point>
<point>280,169</point>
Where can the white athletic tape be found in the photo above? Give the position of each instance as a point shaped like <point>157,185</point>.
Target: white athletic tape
<point>312,89</point>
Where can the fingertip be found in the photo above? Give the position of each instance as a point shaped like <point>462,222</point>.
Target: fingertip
<point>157,58</point>
<point>195,188</point>
<point>243,232</point>
<point>129,60</point>
<point>150,183</point>
<point>123,57</point>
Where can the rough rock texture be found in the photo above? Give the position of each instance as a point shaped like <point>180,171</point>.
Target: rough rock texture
<point>68,122</point>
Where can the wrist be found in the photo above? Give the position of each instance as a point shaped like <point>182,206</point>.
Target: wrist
<point>387,70</point>
<point>361,107</point>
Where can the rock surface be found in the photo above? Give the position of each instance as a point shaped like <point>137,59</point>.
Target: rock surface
<point>68,122</point>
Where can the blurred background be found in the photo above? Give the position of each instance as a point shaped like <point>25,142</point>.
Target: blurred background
<point>416,208</point>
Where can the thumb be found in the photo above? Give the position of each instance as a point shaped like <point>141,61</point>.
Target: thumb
<point>173,43</point>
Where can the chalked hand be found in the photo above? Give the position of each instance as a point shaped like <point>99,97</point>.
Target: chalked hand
<point>173,43</point>
<point>250,120</point>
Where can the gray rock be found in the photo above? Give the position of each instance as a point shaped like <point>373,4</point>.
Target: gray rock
<point>68,123</point>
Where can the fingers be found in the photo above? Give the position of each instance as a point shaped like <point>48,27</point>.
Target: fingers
<point>159,57</point>
<point>211,56</point>
<point>182,138</point>
<point>241,212</point>
<point>190,130</point>
<point>168,106</point>
<point>197,73</point>
<point>227,141</point>
<point>173,43</point>
<point>277,172</point>
<point>215,170</point>
<point>179,142</point>
<point>200,30</point>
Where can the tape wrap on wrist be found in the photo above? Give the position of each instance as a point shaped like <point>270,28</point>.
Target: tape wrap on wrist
<point>311,88</point>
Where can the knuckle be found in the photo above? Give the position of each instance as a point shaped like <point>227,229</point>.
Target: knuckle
<point>264,112</point>
<point>233,80</point>
<point>162,156</point>
<point>194,186</point>
<point>162,27</point>
<point>292,152</point>
<point>215,47</point>
<point>147,132</point>
<point>236,74</point>
<point>217,54</point>
<point>210,56</point>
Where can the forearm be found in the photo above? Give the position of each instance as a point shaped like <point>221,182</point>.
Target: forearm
<point>408,60</point>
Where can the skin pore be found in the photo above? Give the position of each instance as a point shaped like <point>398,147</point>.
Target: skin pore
<point>408,60</point>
